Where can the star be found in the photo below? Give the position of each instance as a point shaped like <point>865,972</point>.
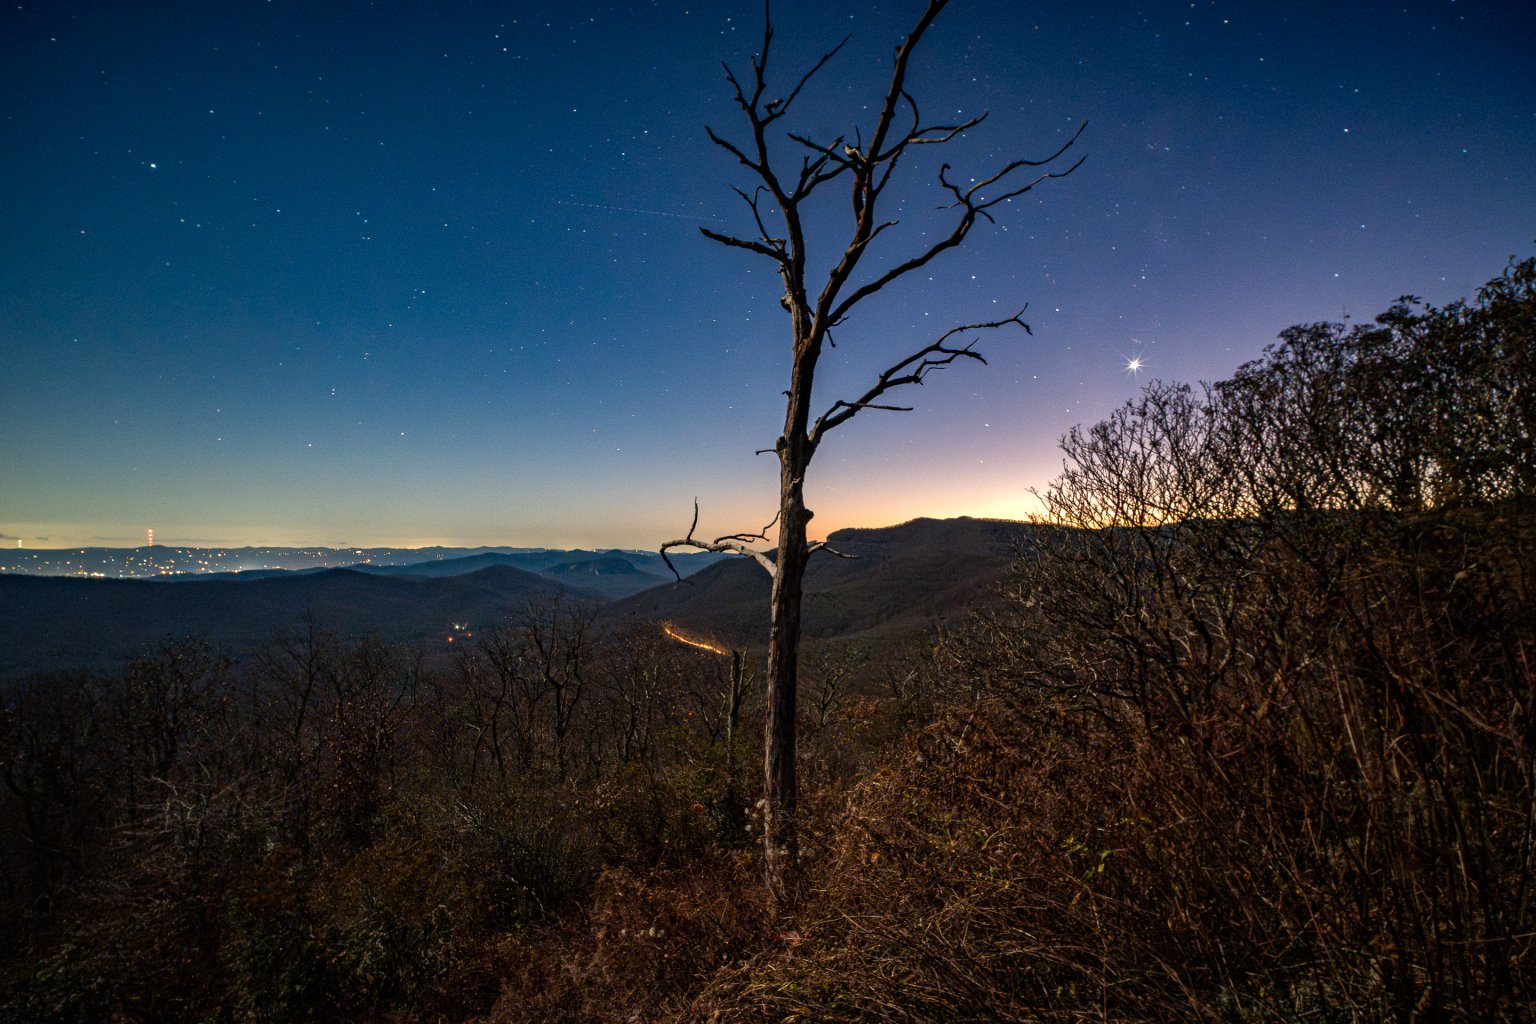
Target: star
<point>1134,365</point>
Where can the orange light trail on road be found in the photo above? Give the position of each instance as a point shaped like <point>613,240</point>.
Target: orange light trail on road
<point>675,635</point>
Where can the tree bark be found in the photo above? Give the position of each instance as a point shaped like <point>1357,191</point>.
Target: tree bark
<point>781,790</point>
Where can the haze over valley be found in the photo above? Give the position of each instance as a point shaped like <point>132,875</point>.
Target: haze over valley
<point>898,577</point>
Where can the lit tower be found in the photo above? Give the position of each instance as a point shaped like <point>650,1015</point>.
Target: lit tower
<point>151,537</point>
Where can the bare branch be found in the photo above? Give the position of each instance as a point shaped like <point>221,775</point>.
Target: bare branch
<point>1037,163</point>
<point>730,147</point>
<point>864,162</point>
<point>871,405</point>
<point>831,151</point>
<point>813,173</point>
<point>821,545</point>
<point>776,244</point>
<point>935,355</point>
<point>861,243</point>
<point>742,243</point>
<point>982,208</point>
<point>778,108</point>
<point>916,136</point>
<point>899,75</point>
<point>942,133</point>
<point>971,206</point>
<point>900,270</point>
<point>732,543</point>
<point>741,98</point>
<point>917,115</point>
<point>970,193</point>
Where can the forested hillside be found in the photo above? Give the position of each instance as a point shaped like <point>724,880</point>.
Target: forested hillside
<point>1245,733</point>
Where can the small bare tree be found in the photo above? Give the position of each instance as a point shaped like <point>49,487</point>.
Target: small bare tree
<point>866,166</point>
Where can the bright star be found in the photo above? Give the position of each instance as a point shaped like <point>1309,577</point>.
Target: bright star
<point>1133,365</point>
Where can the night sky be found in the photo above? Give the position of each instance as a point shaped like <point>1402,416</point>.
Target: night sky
<point>390,273</point>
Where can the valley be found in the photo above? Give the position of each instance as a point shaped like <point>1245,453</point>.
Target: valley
<point>895,579</point>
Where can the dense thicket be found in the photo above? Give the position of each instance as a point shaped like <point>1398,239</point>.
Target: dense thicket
<point>1250,737</point>
<point>1259,735</point>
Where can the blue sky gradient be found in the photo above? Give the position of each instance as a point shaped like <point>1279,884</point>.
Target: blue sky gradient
<point>390,273</point>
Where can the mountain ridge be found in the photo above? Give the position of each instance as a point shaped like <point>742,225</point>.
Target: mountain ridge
<point>50,623</point>
<point>899,578</point>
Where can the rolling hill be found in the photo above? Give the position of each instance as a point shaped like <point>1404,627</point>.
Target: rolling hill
<point>899,577</point>
<point>49,623</point>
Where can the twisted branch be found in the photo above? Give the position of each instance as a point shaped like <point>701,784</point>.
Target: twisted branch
<point>911,370</point>
<point>731,543</point>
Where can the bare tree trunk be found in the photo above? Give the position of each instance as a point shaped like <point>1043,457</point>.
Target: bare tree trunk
<point>781,788</point>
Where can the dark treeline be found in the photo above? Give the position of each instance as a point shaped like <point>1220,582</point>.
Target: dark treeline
<point>1249,737</point>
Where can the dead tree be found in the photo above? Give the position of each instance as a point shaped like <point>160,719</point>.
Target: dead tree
<point>781,189</point>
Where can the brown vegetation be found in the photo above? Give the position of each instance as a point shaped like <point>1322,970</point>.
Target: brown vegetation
<point>1250,736</point>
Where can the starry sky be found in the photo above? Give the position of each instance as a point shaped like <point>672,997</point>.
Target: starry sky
<point>357,273</point>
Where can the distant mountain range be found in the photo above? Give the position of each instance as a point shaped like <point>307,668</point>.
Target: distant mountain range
<point>898,578</point>
<point>53,622</point>
<point>163,562</point>
<point>603,576</point>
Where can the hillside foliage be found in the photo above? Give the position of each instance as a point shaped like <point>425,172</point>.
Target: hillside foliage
<point>1255,735</point>
<point>1248,735</point>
